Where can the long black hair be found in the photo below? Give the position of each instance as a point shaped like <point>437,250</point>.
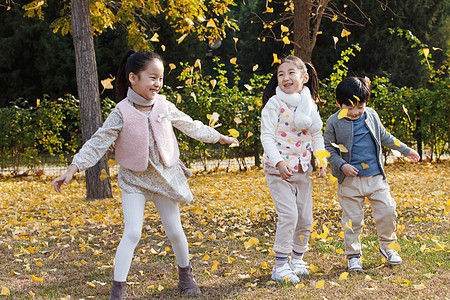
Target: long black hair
<point>304,67</point>
<point>132,62</point>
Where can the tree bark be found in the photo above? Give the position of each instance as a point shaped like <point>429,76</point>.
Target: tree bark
<point>302,35</point>
<point>88,93</point>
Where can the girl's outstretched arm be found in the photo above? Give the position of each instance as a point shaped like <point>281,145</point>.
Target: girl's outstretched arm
<point>65,178</point>
<point>228,140</point>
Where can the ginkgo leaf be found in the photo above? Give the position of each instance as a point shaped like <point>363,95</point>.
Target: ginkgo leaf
<point>276,60</point>
<point>397,143</point>
<point>205,257</point>
<point>394,246</point>
<point>37,278</point>
<point>286,40</point>
<point>269,10</point>
<point>345,32</point>
<point>198,64</point>
<point>233,60</point>
<point>343,113</point>
<point>284,28</point>
<point>264,265</point>
<point>322,156</point>
<point>334,19</point>
<point>343,276</point>
<point>214,266</point>
<point>426,51</point>
<point>320,284</point>
<point>111,163</point>
<point>194,96</point>
<point>172,66</point>
<point>423,247</point>
<point>211,23</point>
<point>181,38</point>
<point>178,98</point>
<point>107,84</point>
<point>237,120</point>
<point>163,48</point>
<point>213,82</point>
<point>160,287</point>
<point>5,291</point>
<point>233,132</point>
<point>348,225</point>
<point>103,175</point>
<point>335,39</point>
<point>252,241</point>
<point>248,87</point>
<point>154,38</point>
<point>235,42</point>
<point>255,67</point>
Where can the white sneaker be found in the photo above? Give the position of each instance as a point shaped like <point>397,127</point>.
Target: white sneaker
<point>391,256</point>
<point>355,264</point>
<point>299,266</point>
<point>284,274</point>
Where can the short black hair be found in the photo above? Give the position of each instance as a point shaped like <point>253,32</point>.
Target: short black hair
<point>352,91</point>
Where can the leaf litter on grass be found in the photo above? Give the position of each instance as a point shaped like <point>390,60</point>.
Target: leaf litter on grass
<point>55,246</point>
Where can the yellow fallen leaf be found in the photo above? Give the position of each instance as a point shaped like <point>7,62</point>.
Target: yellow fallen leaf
<point>211,23</point>
<point>286,40</point>
<point>160,287</point>
<point>423,247</point>
<point>111,163</point>
<point>91,284</point>
<point>264,265</point>
<point>397,143</point>
<point>299,286</point>
<point>233,60</point>
<point>320,284</point>
<point>313,268</point>
<point>395,246</point>
<point>343,113</point>
<point>154,38</point>
<point>419,286</point>
<point>39,264</point>
<point>205,257</point>
<point>36,278</point>
<point>214,266</point>
<point>322,156</point>
<point>5,291</point>
<point>365,166</point>
<point>343,276</point>
<point>276,59</point>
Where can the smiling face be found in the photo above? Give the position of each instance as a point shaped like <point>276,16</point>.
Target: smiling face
<point>354,111</point>
<point>149,81</point>
<point>290,78</point>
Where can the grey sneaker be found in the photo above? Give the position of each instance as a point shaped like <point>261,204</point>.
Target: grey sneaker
<point>391,256</point>
<point>284,274</point>
<point>299,266</point>
<point>355,264</point>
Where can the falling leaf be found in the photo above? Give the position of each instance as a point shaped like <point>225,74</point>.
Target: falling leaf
<point>255,67</point>
<point>233,60</point>
<point>194,96</point>
<point>348,225</point>
<point>269,10</point>
<point>343,113</point>
<point>233,132</point>
<point>322,156</point>
<point>276,60</point>
<point>163,47</point>
<point>335,39</point>
<point>284,28</point>
<point>181,38</point>
<point>397,143</point>
<point>178,98</point>
<point>334,19</point>
<point>106,83</point>
<point>111,163</point>
<point>248,87</point>
<point>235,42</point>
<point>237,120</point>
<point>198,64</point>
<point>103,175</point>
<point>345,33</point>
<point>213,82</point>
<point>364,166</point>
<point>211,23</point>
<point>343,276</point>
<point>286,40</point>
<point>320,284</point>
<point>213,119</point>
<point>154,38</point>
<point>172,66</point>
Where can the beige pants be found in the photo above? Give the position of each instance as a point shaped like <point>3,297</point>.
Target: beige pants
<point>351,194</point>
<point>293,204</point>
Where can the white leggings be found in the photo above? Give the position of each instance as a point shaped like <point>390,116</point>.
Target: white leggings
<point>133,215</point>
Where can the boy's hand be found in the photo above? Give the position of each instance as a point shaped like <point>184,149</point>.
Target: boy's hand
<point>285,170</point>
<point>349,170</point>
<point>322,172</point>
<point>413,156</point>
<point>228,140</point>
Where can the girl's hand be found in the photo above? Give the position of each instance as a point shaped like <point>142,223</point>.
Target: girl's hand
<point>64,179</point>
<point>228,140</point>
<point>285,170</point>
<point>322,172</point>
<point>349,170</point>
<point>413,156</point>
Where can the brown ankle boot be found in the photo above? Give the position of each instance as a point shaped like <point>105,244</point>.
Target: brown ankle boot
<point>118,291</point>
<point>187,284</point>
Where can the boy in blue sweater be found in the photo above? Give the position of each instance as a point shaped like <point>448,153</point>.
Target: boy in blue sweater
<point>354,142</point>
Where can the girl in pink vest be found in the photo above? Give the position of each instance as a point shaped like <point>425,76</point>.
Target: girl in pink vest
<point>146,149</point>
<point>291,129</point>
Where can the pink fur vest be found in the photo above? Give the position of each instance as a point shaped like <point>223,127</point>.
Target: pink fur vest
<point>132,144</point>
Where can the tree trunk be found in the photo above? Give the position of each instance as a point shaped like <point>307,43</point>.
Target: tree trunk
<point>88,92</point>
<point>302,34</point>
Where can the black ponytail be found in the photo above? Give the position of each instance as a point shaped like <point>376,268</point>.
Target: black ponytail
<point>313,82</point>
<point>132,62</point>
<point>270,89</point>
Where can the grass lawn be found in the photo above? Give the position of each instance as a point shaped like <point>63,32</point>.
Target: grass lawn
<point>58,246</point>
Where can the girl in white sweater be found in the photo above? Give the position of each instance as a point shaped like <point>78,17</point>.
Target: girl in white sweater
<point>291,129</point>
